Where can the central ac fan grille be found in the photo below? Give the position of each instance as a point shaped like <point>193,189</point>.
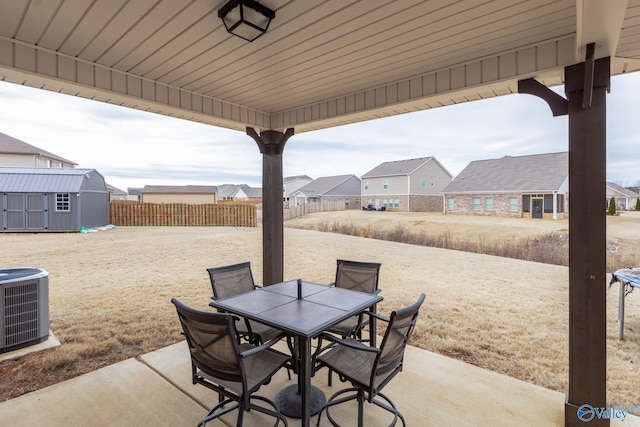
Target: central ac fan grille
<point>20,313</point>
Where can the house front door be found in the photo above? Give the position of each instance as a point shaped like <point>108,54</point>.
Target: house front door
<point>536,208</point>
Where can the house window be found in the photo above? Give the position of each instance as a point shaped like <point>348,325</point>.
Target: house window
<point>63,203</point>
<point>488,204</point>
<point>476,203</point>
<point>526,203</point>
<point>384,203</point>
<point>396,203</point>
<point>366,185</point>
<point>548,203</point>
<point>385,184</point>
<point>423,182</point>
<point>451,203</point>
<point>560,203</point>
<point>513,204</point>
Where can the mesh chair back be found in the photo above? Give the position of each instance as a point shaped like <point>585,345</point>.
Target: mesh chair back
<point>212,343</point>
<point>357,276</point>
<point>231,280</point>
<point>401,324</point>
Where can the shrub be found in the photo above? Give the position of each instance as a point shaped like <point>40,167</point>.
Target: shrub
<point>638,204</point>
<point>612,206</point>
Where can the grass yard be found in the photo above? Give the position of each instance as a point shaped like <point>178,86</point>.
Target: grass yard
<point>110,292</point>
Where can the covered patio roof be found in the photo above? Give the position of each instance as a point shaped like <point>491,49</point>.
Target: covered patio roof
<point>324,64</point>
<point>320,64</point>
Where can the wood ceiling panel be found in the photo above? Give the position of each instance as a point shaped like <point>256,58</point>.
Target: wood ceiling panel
<point>207,52</point>
<point>249,61</point>
<point>11,18</point>
<point>36,20</point>
<point>63,23</point>
<point>127,17</point>
<point>322,42</point>
<point>180,28</point>
<point>433,54</point>
<point>93,22</point>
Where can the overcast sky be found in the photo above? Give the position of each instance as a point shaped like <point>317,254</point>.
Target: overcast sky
<point>133,148</point>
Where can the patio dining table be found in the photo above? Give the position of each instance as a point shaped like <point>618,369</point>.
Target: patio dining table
<point>303,315</point>
<point>629,279</point>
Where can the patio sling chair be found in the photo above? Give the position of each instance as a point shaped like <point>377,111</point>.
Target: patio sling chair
<point>369,369</point>
<point>236,371</point>
<point>362,277</point>
<point>232,280</point>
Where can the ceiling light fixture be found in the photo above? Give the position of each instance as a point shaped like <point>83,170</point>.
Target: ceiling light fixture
<point>246,19</point>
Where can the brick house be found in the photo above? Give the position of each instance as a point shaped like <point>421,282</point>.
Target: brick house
<point>412,185</point>
<point>534,186</point>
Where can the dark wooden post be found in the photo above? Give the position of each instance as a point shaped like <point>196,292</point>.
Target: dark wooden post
<point>271,144</point>
<point>586,85</point>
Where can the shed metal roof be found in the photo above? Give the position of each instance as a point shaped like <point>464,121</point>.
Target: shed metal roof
<point>43,180</point>
<point>539,173</point>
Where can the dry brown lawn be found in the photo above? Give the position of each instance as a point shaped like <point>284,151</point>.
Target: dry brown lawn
<point>110,292</point>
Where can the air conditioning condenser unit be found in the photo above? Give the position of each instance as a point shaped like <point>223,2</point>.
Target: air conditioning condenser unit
<point>24,307</point>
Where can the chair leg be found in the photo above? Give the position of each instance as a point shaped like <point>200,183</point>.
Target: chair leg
<point>359,395</point>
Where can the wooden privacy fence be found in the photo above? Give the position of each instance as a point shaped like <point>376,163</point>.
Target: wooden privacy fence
<point>127,213</point>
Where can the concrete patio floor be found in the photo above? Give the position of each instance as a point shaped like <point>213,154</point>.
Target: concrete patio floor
<point>155,390</point>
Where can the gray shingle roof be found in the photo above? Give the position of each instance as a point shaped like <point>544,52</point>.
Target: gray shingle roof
<point>293,178</point>
<point>42,180</point>
<point>620,189</point>
<point>11,145</point>
<point>539,172</point>
<point>323,185</point>
<point>397,167</point>
<point>181,189</point>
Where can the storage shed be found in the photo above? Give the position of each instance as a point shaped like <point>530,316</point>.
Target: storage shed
<point>47,199</point>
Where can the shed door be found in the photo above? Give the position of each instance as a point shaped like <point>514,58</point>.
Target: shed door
<point>24,212</point>
<point>13,217</point>
<point>36,213</point>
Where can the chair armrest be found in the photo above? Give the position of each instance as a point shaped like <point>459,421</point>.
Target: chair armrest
<point>378,316</point>
<point>377,291</point>
<point>261,347</point>
<point>346,342</point>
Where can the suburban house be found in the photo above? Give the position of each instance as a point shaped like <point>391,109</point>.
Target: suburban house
<point>189,194</point>
<point>116,194</point>
<point>14,152</point>
<point>134,193</point>
<point>534,186</point>
<point>238,192</point>
<point>52,199</point>
<point>291,184</point>
<point>412,185</point>
<point>625,198</point>
<point>341,188</point>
